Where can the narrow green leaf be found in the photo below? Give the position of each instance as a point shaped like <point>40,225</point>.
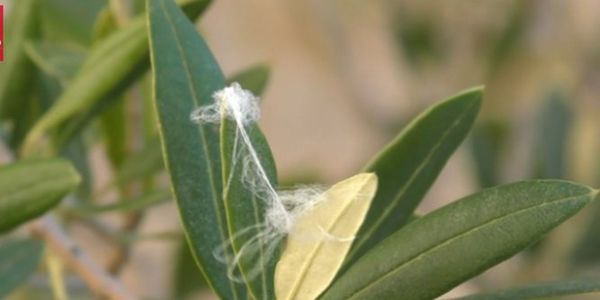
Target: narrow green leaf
<point>149,113</point>
<point>509,38</point>
<point>254,79</point>
<point>458,241</point>
<point>419,37</point>
<point>113,120</point>
<point>30,188</point>
<point>107,67</point>
<point>23,120</point>
<point>47,91</point>
<point>554,123</point>
<point>141,164</point>
<point>540,290</point>
<point>69,21</point>
<point>585,253</point>
<point>114,128</point>
<point>18,260</point>
<point>76,151</point>
<point>106,24</point>
<point>16,72</point>
<point>244,210</point>
<point>55,60</point>
<point>487,144</point>
<point>185,76</point>
<point>111,67</point>
<point>187,278</point>
<point>199,157</point>
<point>408,166</point>
<point>44,90</point>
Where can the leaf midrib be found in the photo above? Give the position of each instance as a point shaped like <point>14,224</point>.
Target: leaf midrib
<point>228,170</point>
<point>188,75</point>
<point>307,263</point>
<point>460,235</point>
<point>413,177</point>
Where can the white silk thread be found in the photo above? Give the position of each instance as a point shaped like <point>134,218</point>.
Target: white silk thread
<point>282,207</point>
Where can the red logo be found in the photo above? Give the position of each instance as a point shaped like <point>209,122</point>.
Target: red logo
<point>1,32</point>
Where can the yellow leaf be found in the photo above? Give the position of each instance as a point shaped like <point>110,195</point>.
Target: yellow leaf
<point>320,239</point>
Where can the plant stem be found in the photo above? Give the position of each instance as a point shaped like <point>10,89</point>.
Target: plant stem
<point>56,271</point>
<point>104,286</point>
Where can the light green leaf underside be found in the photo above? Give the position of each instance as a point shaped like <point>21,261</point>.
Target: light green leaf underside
<point>312,255</point>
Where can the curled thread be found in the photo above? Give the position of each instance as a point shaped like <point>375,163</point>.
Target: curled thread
<point>260,241</point>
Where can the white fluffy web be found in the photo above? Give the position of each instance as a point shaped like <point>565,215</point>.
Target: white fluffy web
<point>282,207</point>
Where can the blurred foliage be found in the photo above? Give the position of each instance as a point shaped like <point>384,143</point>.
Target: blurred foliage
<point>76,91</point>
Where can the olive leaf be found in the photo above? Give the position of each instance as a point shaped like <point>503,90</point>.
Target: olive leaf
<point>321,238</point>
<point>460,240</point>
<point>198,157</point>
<point>30,188</point>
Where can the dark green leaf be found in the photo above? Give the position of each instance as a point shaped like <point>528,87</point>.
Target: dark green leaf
<point>143,163</point>
<point>539,290</point>
<point>254,79</point>
<point>505,42</point>
<point>185,78</point>
<point>30,188</point>
<point>554,123</point>
<point>109,65</point>
<point>114,128</point>
<point>16,72</point>
<point>198,159</point>
<point>149,114</point>
<point>106,24</point>
<point>113,120</point>
<point>18,260</point>
<point>188,279</point>
<point>419,37</point>
<point>69,21</point>
<point>585,254</point>
<point>45,89</point>
<point>408,166</point>
<point>487,144</point>
<point>76,151</point>
<point>244,210</point>
<point>458,241</point>
<point>55,60</point>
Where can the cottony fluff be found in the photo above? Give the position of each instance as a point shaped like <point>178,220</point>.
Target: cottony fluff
<point>282,207</point>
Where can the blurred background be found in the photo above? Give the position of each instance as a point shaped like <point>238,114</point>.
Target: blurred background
<point>346,76</point>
